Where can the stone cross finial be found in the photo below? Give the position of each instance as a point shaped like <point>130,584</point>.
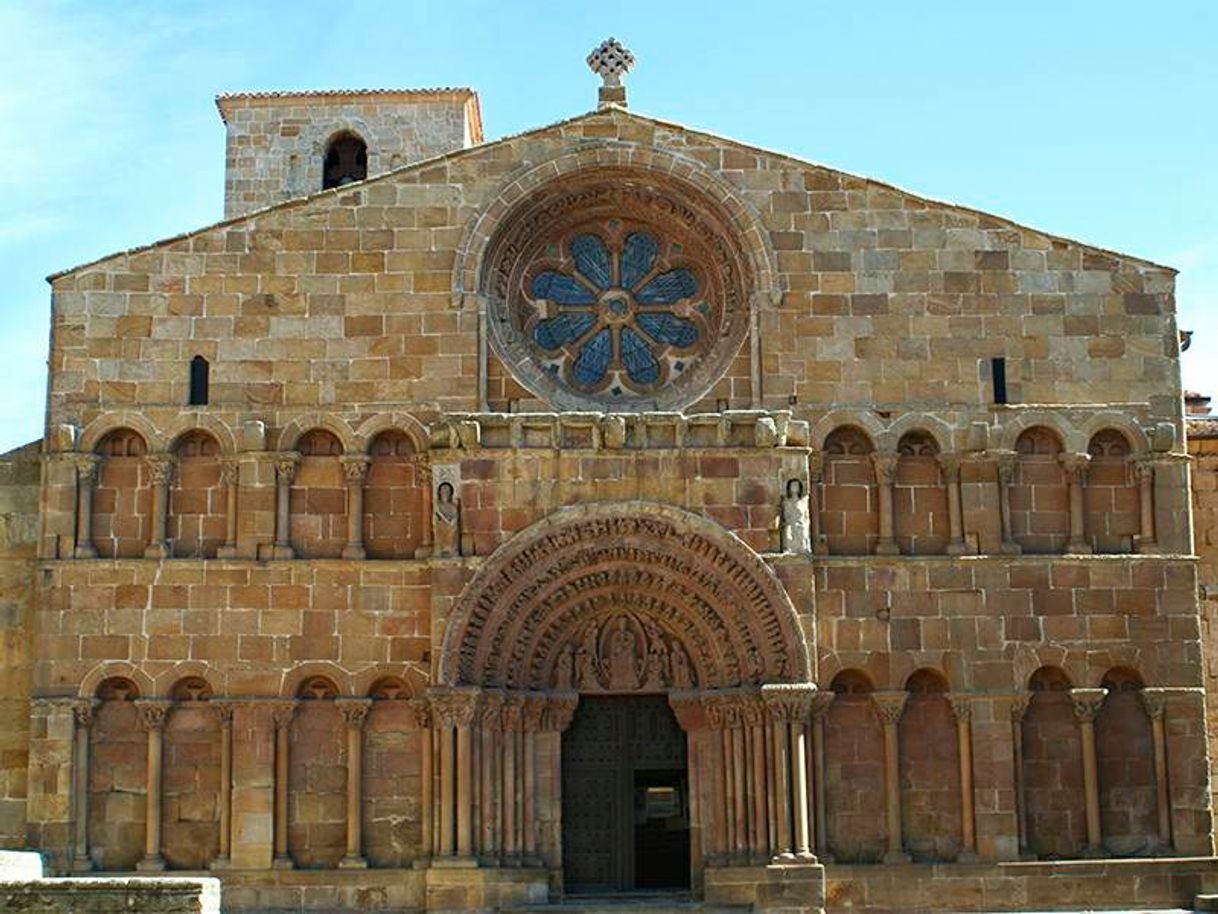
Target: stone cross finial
<point>611,61</point>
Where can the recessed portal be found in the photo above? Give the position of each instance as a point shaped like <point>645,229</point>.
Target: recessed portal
<point>625,809</point>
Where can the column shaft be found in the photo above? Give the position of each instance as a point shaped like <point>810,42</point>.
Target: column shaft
<point>1091,787</point>
<point>355,712</point>
<point>225,714</point>
<point>153,714</point>
<point>1146,507</point>
<point>529,800</point>
<point>283,723</point>
<point>1007,462</point>
<point>759,833</point>
<point>782,780</point>
<point>87,469</point>
<point>465,785</point>
<point>889,706</point>
<point>229,478</point>
<point>964,744</point>
<point>799,791</point>
<point>355,469</point>
<point>1076,472</point>
<point>285,472</point>
<point>818,787</point>
<point>447,792</point>
<point>886,476</point>
<point>740,813</point>
<point>83,714</point>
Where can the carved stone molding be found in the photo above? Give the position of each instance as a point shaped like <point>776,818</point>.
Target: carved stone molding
<point>153,712</point>
<point>230,471</point>
<point>962,706</point>
<point>885,467</point>
<point>286,465</point>
<point>1006,462</point>
<point>354,710</point>
<point>82,710</point>
<point>949,466</point>
<point>789,702</point>
<point>1155,701</point>
<point>223,711</point>
<point>282,711</point>
<point>87,466</point>
<point>160,468</point>
<point>454,707</point>
<point>1076,466</point>
<point>355,468</point>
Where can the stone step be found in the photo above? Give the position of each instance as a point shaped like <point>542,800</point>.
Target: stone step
<point>629,903</point>
<point>1205,903</point>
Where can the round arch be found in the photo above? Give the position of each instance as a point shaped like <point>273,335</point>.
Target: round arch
<point>201,422</point>
<point>96,430</point>
<point>337,426</point>
<point>615,587</point>
<point>405,423</point>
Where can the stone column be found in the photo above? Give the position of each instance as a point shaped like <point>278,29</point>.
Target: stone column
<point>757,786</point>
<point>490,728</point>
<point>422,476</point>
<point>716,718</point>
<point>1154,700</point>
<point>285,471</point>
<point>354,712</point>
<point>355,470</point>
<point>153,713</point>
<point>1145,541</point>
<point>949,466</point>
<point>82,712</point>
<point>889,706</point>
<point>885,477</point>
<point>282,713</point>
<point>230,475</point>
<point>1019,707</point>
<point>820,706</point>
<point>789,706</point>
<point>740,807</point>
<point>420,713</point>
<point>1087,704</point>
<point>962,708</point>
<point>511,721</point>
<point>532,722</point>
<point>88,466</point>
<point>454,711</point>
<point>816,495</point>
<point>1006,463</point>
<point>1076,466</point>
<point>160,472</point>
<point>224,717</point>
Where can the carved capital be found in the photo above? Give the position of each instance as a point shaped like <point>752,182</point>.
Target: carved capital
<point>1006,461</point>
<point>282,711</point>
<point>1145,468</point>
<point>962,706</point>
<point>355,468</point>
<point>422,469</point>
<point>889,706</point>
<point>286,465</point>
<point>533,717</point>
<point>153,712</point>
<point>821,702</point>
<point>1154,700</point>
<point>1019,706</point>
<point>86,468</point>
<point>230,471</point>
<point>160,468</point>
<point>949,466</point>
<point>789,703</point>
<point>560,711</point>
<point>687,708</point>
<point>420,713</point>
<point>354,711</point>
<point>1076,466</point>
<point>48,707</point>
<point>82,710</point>
<point>223,710</point>
<point>1087,703</point>
<point>885,467</point>
<point>454,707</point>
<point>512,714</point>
<point>816,467</point>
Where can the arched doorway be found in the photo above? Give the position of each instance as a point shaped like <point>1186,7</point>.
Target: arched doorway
<point>632,664</point>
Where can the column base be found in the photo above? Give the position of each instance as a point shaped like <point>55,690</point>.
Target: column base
<point>960,548</point>
<point>81,865</point>
<point>354,552</point>
<point>226,552</point>
<point>1145,547</point>
<point>351,862</point>
<point>84,552</point>
<point>221,864</point>
<point>895,857</point>
<point>1010,548</point>
<point>454,863</point>
<point>151,864</point>
<point>1077,547</point>
<point>882,548</point>
<point>157,551</point>
<point>424,552</point>
<point>279,551</point>
<point>283,863</point>
<point>1093,852</point>
<point>968,857</point>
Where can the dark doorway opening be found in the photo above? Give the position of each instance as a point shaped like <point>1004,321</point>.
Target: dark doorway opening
<point>625,810</point>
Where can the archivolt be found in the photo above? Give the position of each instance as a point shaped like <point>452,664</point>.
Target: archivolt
<point>689,580</point>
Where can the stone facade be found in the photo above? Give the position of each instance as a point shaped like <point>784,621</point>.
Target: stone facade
<point>614,408</point>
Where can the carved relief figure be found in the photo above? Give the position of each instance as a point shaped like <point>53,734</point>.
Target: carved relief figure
<point>623,657</point>
<point>796,521</point>
<point>447,521</point>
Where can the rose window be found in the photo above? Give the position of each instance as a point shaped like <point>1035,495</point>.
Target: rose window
<point>617,313</point>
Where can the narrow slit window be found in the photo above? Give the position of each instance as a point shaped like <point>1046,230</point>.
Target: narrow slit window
<point>998,372</point>
<point>199,371</point>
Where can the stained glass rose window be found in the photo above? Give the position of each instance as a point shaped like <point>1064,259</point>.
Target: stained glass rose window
<point>615,294</point>
<point>616,313</point>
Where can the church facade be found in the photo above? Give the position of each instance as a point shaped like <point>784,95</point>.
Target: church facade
<point>610,508</point>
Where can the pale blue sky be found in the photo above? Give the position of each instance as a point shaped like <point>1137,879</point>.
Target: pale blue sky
<point>1093,120</point>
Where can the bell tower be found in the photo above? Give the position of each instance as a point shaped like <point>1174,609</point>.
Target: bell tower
<point>282,145</point>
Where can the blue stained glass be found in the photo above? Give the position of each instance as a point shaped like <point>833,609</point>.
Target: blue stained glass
<point>592,259</point>
<point>563,289</point>
<point>640,364</point>
<point>593,359</point>
<point>556,332</point>
<point>668,328</point>
<point>668,288</point>
<point>638,256</point>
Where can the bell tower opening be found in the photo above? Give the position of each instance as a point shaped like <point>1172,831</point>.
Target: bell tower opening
<point>346,161</point>
<point>625,797</point>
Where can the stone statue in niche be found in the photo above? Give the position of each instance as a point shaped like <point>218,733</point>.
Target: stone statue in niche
<point>446,521</point>
<point>681,676</point>
<point>564,672</point>
<point>585,663</point>
<point>796,519</point>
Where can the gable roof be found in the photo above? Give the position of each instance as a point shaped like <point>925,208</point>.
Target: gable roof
<point>608,111</point>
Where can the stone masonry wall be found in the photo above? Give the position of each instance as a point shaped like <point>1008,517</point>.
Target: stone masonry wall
<point>1203,447</point>
<point>19,488</point>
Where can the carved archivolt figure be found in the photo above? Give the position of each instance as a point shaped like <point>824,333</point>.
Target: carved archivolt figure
<point>796,520</point>
<point>447,521</point>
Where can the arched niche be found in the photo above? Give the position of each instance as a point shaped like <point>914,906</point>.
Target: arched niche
<point>318,501</point>
<point>1111,498</point>
<point>1052,759</point>
<point>854,771</point>
<point>850,514</point>
<point>1039,493</point>
<point>623,597</point>
<point>190,787</point>
<point>930,769</point>
<point>317,811</point>
<point>919,497</point>
<point>118,765</point>
<point>122,499</point>
<point>1124,752</point>
<point>393,497</point>
<point>197,502</point>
